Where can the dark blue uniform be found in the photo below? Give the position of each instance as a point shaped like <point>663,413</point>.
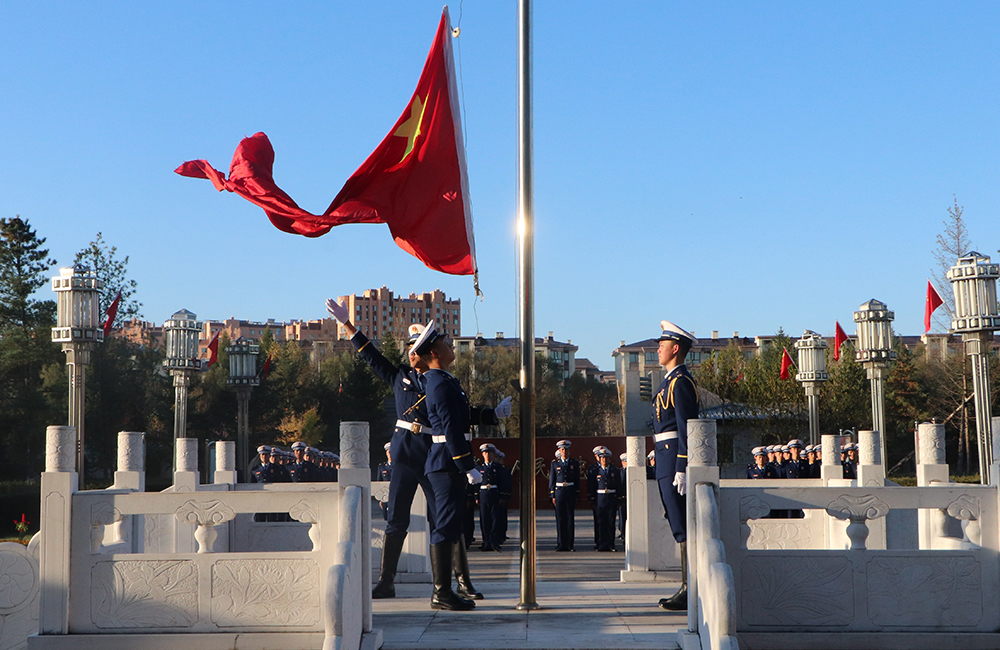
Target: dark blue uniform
<point>505,481</point>
<point>489,504</point>
<point>604,492</point>
<point>564,488</point>
<point>383,473</point>
<point>675,402</point>
<point>450,455</point>
<point>305,472</point>
<point>592,498</point>
<point>622,503</point>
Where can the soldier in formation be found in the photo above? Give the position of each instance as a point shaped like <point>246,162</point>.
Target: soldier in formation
<point>603,492</point>
<point>564,490</point>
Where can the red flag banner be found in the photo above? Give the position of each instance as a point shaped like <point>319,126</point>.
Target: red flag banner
<point>213,349</point>
<point>786,363</point>
<point>266,370</point>
<point>415,181</point>
<point>839,338</point>
<point>112,314</point>
<point>933,302</point>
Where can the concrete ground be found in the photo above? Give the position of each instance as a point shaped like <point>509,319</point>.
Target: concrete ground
<point>582,604</point>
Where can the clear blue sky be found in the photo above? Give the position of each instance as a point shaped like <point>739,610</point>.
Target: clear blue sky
<point>728,166</point>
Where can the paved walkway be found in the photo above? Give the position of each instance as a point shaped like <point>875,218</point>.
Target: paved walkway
<point>583,605</point>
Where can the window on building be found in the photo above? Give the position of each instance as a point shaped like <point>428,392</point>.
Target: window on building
<point>633,357</point>
<point>652,357</point>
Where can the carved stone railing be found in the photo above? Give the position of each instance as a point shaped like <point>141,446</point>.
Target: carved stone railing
<point>716,590</point>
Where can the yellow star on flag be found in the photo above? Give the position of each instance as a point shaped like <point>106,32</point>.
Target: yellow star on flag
<point>410,129</point>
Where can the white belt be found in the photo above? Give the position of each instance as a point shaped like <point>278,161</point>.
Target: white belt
<point>605,491</point>
<point>415,427</point>
<point>564,484</point>
<point>666,435</point>
<point>488,487</point>
<point>442,439</point>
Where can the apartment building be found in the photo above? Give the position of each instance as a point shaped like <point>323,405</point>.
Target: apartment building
<point>377,312</point>
<point>562,353</point>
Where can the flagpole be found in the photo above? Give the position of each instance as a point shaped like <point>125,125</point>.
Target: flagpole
<point>525,223</point>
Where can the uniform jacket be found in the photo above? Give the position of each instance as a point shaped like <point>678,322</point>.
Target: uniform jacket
<point>448,412</point>
<point>675,402</point>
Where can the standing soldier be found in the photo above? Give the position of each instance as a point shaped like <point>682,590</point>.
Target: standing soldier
<point>591,493</point>
<point>675,402</point>
<point>622,496</point>
<point>564,490</point>
<point>759,469</point>
<point>411,443</point>
<point>302,470</point>
<point>256,473</point>
<point>605,493</point>
<point>489,498</point>
<point>651,467</point>
<point>449,458</point>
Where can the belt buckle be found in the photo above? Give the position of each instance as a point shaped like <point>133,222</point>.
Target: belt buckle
<point>416,427</point>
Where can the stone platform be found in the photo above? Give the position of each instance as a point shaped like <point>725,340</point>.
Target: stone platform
<point>583,605</point>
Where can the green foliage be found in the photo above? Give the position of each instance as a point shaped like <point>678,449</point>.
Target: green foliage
<point>23,263</point>
<point>103,261</point>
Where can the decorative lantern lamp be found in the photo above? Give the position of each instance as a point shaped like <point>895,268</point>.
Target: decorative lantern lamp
<point>182,361</point>
<point>78,327</point>
<point>875,353</point>
<point>243,377</point>
<point>77,306</point>
<point>812,372</point>
<point>974,281</point>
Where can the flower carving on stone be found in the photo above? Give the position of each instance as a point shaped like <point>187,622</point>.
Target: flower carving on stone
<point>144,594</point>
<point>868,506</point>
<point>702,444</point>
<point>753,507</point>
<point>908,592</point>
<point>932,449</point>
<point>103,513</point>
<point>305,511</point>
<point>18,578</point>
<point>205,513</point>
<point>354,445</point>
<point>60,449</point>
<point>779,593</point>
<point>265,593</point>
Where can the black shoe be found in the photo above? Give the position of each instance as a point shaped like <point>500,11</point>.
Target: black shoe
<point>443,597</point>
<point>384,590</point>
<point>676,603</point>
<point>449,601</point>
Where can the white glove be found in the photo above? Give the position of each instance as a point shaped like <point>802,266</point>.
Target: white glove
<point>337,310</point>
<point>503,408</point>
<point>681,482</point>
<point>475,478</point>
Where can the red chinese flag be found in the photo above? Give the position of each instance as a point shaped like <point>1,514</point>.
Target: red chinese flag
<point>266,370</point>
<point>213,349</point>
<point>786,363</point>
<point>112,314</point>
<point>839,338</point>
<point>415,181</point>
<point>933,302</point>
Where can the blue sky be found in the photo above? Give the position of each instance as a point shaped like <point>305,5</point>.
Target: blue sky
<point>728,166</point>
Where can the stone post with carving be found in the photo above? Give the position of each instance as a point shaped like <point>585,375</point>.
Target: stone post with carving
<point>831,467</point>
<point>355,469</point>
<point>637,539</point>
<point>186,479</point>
<point>131,475</point>
<point>59,482</point>
<point>225,462</point>
<point>931,470</point>
<point>871,467</point>
<point>703,467</point>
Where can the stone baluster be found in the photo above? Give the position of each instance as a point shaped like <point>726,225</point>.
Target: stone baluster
<point>637,542</point>
<point>871,468</point>
<point>206,515</point>
<point>831,467</point>
<point>59,482</point>
<point>355,469</point>
<point>931,470</point>
<point>225,462</point>
<point>186,479</point>
<point>131,473</point>
<point>858,510</point>
<point>703,467</point>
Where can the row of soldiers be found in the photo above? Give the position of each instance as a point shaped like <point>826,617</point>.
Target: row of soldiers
<point>792,460</point>
<point>303,464</point>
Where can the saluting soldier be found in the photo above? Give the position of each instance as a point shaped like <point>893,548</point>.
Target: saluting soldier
<point>675,402</point>
<point>564,490</point>
<point>411,443</point>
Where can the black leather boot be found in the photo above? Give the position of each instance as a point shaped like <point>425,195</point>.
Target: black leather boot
<point>391,551</point>
<point>679,601</point>
<point>460,563</point>
<point>444,597</point>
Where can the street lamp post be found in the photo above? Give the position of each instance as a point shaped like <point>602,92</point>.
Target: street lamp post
<point>77,328</point>
<point>974,281</point>
<point>182,361</point>
<point>243,376</point>
<point>875,353</point>
<point>812,372</point>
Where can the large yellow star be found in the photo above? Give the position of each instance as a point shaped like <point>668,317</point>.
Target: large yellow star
<point>410,129</point>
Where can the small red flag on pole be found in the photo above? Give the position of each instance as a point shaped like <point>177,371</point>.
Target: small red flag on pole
<point>112,314</point>
<point>266,370</point>
<point>213,348</point>
<point>786,363</point>
<point>933,302</point>
<point>415,181</point>
<point>839,338</point>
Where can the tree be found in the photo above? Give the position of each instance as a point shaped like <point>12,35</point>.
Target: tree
<point>952,244</point>
<point>103,261</point>
<point>25,346</point>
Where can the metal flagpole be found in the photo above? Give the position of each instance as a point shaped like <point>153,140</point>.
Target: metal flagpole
<point>525,229</point>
